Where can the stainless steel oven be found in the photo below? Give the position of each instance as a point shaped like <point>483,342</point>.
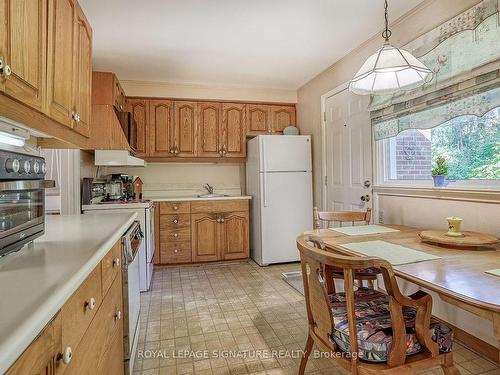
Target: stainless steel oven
<point>22,199</point>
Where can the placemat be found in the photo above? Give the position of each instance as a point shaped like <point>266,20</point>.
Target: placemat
<point>394,254</point>
<point>494,272</point>
<point>363,230</point>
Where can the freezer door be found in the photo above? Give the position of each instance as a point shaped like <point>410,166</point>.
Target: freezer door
<point>280,153</point>
<point>286,212</point>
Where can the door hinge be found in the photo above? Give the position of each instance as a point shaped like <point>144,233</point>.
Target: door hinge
<point>326,180</point>
<point>324,116</point>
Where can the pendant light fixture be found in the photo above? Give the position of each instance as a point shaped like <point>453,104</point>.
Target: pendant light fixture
<point>389,70</point>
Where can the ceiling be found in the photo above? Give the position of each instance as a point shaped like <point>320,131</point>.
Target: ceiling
<point>259,43</point>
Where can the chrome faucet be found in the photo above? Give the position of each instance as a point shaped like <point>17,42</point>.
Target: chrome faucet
<point>209,188</point>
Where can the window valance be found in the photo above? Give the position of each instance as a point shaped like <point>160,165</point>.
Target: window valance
<point>464,54</point>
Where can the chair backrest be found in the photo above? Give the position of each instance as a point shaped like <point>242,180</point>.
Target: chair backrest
<point>341,217</point>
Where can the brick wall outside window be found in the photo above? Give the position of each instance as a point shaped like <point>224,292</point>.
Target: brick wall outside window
<point>413,156</point>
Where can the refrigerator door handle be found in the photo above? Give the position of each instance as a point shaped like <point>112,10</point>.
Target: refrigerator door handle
<point>264,174</point>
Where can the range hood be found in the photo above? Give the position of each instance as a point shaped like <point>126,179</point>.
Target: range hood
<point>119,158</point>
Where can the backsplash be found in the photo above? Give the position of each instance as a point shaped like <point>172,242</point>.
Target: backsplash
<point>176,179</point>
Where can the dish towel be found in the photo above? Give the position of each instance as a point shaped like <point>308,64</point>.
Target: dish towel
<point>394,254</point>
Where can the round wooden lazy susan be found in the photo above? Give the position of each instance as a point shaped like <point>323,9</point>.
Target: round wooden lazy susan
<point>469,240</point>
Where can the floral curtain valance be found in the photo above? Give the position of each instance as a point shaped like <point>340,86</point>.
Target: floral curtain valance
<point>464,54</point>
<point>475,104</point>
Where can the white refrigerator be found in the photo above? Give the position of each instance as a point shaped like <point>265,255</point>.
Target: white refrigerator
<point>279,179</point>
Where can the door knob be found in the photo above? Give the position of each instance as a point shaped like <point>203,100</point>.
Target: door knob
<point>365,198</point>
<point>367,184</point>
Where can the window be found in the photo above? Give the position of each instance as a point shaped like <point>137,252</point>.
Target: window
<point>470,145</point>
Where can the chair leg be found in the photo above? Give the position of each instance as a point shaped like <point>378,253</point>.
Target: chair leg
<point>448,365</point>
<point>305,356</point>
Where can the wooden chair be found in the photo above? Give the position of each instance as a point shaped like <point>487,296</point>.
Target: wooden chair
<point>342,217</point>
<point>335,318</point>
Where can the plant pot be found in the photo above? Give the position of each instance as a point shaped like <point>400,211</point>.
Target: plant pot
<point>440,180</point>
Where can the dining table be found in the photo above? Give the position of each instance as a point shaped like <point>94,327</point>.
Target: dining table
<point>458,276</point>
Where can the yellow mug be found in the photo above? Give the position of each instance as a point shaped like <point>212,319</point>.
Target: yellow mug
<point>454,226</point>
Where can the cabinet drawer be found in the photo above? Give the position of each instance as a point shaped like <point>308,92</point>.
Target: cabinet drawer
<point>175,207</point>
<point>175,235</point>
<point>219,206</point>
<point>175,252</point>
<point>176,221</point>
<point>91,355</point>
<point>80,309</point>
<point>111,266</point>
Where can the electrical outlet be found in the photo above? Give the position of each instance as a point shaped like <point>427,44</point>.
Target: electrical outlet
<point>381,217</point>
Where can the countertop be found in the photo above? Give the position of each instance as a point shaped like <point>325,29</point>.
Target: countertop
<point>195,198</point>
<point>35,282</point>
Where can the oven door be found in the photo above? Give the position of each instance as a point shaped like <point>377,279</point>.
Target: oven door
<point>22,205</point>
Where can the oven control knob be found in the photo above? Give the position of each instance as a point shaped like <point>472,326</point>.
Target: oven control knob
<point>36,167</point>
<point>27,167</point>
<point>44,168</point>
<point>12,165</point>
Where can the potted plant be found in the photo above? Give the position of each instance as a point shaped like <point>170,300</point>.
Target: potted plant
<point>440,172</point>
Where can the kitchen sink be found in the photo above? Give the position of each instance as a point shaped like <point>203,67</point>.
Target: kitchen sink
<point>213,195</point>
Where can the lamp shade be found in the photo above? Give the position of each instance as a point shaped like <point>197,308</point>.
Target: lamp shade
<point>388,71</point>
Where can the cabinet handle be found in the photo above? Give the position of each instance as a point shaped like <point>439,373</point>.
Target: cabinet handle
<point>6,71</point>
<point>176,235</point>
<point>118,315</point>
<point>75,117</point>
<point>175,208</point>
<point>116,262</point>
<point>171,150</point>
<point>222,220</point>
<point>176,150</point>
<point>175,221</point>
<point>66,355</point>
<point>176,251</point>
<point>90,304</point>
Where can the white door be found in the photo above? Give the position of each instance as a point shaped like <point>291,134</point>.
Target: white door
<point>348,153</point>
<point>281,153</point>
<point>285,213</point>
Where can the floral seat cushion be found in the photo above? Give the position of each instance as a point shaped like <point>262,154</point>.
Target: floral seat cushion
<point>371,271</point>
<point>373,324</point>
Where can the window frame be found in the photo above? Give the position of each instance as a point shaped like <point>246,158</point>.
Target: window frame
<point>381,169</point>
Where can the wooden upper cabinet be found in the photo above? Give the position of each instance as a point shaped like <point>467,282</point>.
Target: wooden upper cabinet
<point>205,237</point>
<point>281,117</point>
<point>233,130</point>
<point>258,119</point>
<point>118,94</point>
<point>23,32</point>
<point>140,112</point>
<point>83,75</point>
<point>184,128</point>
<point>161,116</point>
<point>61,60</point>
<point>209,131</point>
<point>41,356</point>
<point>235,243</point>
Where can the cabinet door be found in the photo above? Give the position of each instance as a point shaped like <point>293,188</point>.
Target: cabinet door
<point>281,117</point>
<point>233,130</point>
<point>205,237</point>
<point>161,138</point>
<point>23,31</point>
<point>258,119</point>
<point>140,111</point>
<point>235,243</point>
<point>61,60</point>
<point>83,74</point>
<point>184,129</point>
<point>41,356</point>
<point>209,130</point>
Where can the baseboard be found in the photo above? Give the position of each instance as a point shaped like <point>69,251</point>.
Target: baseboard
<point>472,342</point>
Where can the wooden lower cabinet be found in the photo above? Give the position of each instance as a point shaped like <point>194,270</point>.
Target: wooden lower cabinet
<point>205,231</point>
<point>235,239</point>
<point>86,335</point>
<point>103,338</point>
<point>205,237</point>
<point>41,356</point>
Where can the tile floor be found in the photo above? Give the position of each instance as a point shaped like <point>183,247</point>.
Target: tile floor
<point>204,319</point>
